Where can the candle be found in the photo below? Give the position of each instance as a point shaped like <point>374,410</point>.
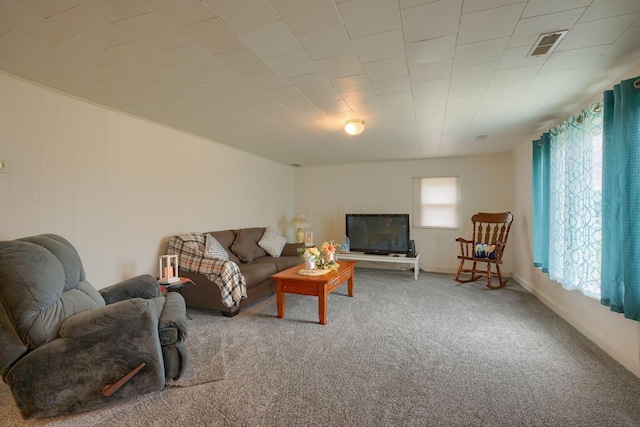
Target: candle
<point>168,272</point>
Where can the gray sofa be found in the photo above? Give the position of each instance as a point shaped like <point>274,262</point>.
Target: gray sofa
<point>211,274</point>
<point>66,347</point>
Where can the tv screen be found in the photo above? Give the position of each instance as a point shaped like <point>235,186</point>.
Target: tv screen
<point>378,233</point>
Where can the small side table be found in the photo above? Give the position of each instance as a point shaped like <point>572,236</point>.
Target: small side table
<point>176,287</point>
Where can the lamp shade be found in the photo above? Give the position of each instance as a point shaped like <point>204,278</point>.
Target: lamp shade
<point>354,126</point>
<point>299,221</point>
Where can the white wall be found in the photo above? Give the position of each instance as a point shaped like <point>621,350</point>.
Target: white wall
<point>118,187</point>
<point>325,193</point>
<point>618,336</point>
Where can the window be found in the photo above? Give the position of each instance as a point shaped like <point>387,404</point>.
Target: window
<point>435,202</point>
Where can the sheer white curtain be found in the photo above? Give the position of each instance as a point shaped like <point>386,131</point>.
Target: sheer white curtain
<point>575,202</point>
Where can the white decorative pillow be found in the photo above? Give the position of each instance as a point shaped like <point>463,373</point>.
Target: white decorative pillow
<point>213,248</point>
<point>272,242</point>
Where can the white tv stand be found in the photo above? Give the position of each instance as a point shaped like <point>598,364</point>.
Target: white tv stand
<point>399,259</point>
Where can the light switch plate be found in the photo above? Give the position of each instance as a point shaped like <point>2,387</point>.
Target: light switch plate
<point>4,166</point>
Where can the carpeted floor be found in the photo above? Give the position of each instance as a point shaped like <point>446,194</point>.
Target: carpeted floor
<point>431,352</point>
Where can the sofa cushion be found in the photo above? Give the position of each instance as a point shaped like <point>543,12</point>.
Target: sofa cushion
<point>272,242</point>
<point>226,239</point>
<point>246,244</point>
<point>213,248</point>
<point>255,274</point>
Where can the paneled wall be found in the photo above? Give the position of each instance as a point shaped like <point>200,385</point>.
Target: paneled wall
<point>118,187</point>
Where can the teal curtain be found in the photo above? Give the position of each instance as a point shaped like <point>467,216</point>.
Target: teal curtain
<point>620,289</point>
<point>567,202</point>
<point>540,191</point>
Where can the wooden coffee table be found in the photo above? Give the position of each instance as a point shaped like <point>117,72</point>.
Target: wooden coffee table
<point>290,281</point>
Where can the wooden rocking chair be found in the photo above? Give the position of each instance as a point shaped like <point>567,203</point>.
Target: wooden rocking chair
<point>490,233</point>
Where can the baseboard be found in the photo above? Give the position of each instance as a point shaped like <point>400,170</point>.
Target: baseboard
<point>612,351</point>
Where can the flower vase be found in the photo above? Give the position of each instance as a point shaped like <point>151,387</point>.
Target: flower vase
<point>309,264</point>
<point>329,257</point>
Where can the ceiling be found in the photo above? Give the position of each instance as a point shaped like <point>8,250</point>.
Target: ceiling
<point>278,78</point>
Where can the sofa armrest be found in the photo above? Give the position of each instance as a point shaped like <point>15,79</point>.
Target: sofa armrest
<point>142,286</point>
<point>291,249</point>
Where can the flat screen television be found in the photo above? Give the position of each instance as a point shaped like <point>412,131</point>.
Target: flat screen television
<point>378,233</point>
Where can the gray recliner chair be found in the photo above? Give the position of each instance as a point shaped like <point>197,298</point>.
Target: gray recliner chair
<point>66,347</point>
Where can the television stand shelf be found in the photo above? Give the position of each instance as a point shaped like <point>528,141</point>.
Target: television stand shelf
<point>400,259</point>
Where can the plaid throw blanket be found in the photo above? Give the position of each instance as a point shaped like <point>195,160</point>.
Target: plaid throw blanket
<point>226,274</point>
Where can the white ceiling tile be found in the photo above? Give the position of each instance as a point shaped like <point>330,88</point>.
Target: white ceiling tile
<point>386,69</point>
<point>528,30</point>
<point>82,70</point>
<point>473,73</point>
<point>153,30</point>
<point>312,81</point>
<point>431,70</point>
<point>46,8</point>
<point>433,50</point>
<point>30,48</point>
<point>244,62</point>
<point>380,46</point>
<point>131,72</point>
<point>179,13</point>
<point>626,44</point>
<point>480,52</point>
<point>507,91</point>
<point>489,24</point>
<point>327,43</point>
<point>163,88</point>
<point>75,86</point>
<point>293,64</point>
<point>91,26</point>
<point>431,87</point>
<point>271,40</point>
<point>85,51</point>
<point>285,94</point>
<point>323,96</point>
<point>29,69</point>
<point>365,17</point>
<point>214,36</point>
<point>343,66</point>
<point>223,77</point>
<point>119,86</point>
<point>431,20</point>
<point>13,16</point>
<point>358,98</point>
<point>594,33</point>
<point>468,89</point>
<point>244,15</point>
<point>547,7</point>
<point>179,75</point>
<point>357,83</point>
<point>575,58</point>
<point>511,76</point>
<point>559,78</point>
<point>267,80</point>
<point>303,17</point>
<point>194,57</point>
<point>395,84</point>
<point>139,53</point>
<point>115,10</point>
<point>477,5</point>
<point>518,57</point>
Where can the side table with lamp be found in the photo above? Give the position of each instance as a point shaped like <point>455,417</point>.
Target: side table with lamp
<point>299,222</point>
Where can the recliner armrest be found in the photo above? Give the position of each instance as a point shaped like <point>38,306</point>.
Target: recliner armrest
<point>121,313</point>
<point>142,286</point>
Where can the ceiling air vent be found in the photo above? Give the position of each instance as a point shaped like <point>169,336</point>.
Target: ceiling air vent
<point>547,42</point>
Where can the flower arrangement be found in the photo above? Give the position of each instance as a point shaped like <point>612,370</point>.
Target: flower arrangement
<point>309,254</point>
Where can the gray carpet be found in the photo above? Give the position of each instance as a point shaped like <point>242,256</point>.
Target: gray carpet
<point>431,352</point>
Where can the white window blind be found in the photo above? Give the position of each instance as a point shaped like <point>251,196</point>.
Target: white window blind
<point>435,202</point>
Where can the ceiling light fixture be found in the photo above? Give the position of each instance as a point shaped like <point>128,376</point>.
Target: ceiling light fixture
<point>354,126</point>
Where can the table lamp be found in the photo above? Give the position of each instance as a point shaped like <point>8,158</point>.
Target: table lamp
<point>300,222</point>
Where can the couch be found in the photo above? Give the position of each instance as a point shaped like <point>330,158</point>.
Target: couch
<point>231,269</point>
<point>66,347</point>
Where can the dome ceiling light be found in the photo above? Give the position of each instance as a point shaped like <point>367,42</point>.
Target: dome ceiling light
<point>354,126</point>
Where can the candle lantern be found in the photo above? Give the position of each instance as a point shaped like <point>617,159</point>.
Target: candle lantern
<point>168,269</point>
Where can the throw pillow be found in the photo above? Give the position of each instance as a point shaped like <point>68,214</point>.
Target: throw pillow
<point>213,248</point>
<point>245,247</point>
<point>483,250</point>
<point>272,242</point>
